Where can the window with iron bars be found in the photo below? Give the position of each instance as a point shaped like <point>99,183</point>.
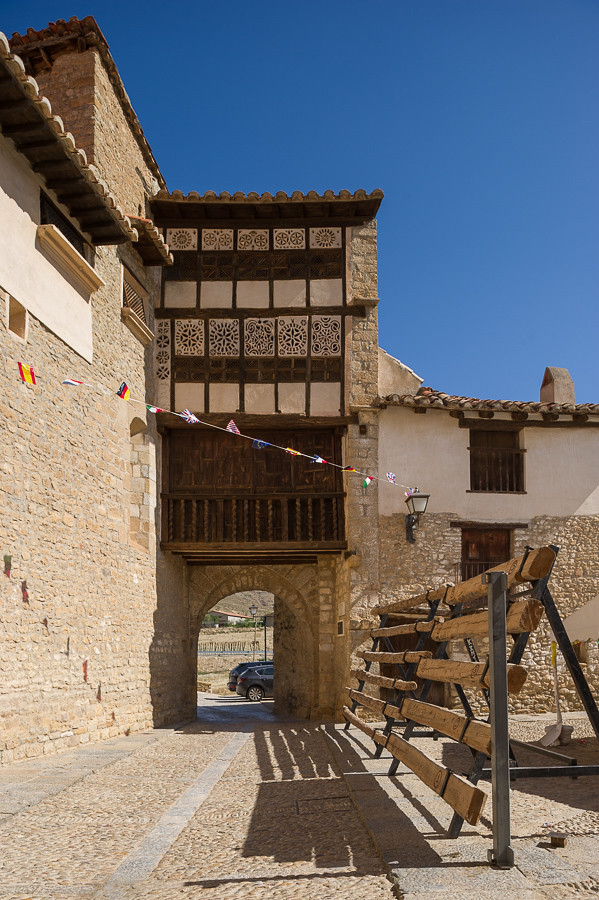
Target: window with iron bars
<point>496,462</point>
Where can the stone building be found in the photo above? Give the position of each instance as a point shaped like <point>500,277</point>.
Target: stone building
<point>122,525</point>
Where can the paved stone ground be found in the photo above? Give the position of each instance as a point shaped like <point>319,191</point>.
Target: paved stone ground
<point>241,804</point>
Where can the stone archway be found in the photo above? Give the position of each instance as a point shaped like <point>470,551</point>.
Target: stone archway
<point>296,624</point>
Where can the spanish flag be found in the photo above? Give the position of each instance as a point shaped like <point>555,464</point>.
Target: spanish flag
<point>123,392</point>
<point>27,374</point>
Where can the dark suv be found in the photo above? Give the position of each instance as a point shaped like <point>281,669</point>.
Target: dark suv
<point>254,684</point>
<point>236,672</point>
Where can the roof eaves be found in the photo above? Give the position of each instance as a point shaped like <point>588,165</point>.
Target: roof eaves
<point>115,226</point>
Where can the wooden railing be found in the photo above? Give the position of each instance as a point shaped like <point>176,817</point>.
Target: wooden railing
<point>496,471</point>
<point>284,519</point>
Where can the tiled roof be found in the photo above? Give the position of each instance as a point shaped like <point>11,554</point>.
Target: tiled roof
<point>345,206</point>
<point>150,244</point>
<point>37,47</point>
<point>279,197</point>
<point>429,398</point>
<point>26,117</point>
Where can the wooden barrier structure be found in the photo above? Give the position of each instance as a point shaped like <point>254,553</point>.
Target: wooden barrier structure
<point>517,596</point>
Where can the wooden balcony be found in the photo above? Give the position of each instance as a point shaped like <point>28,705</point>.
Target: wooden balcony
<point>220,529</point>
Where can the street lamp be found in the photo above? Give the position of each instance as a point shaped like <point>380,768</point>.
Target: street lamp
<point>416,503</point>
<point>254,612</point>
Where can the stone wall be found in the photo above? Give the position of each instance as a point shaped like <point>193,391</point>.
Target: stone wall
<point>408,569</point>
<point>81,93</point>
<point>74,641</point>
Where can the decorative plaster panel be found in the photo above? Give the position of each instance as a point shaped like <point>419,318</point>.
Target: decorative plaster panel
<point>290,293</point>
<point>182,238</point>
<point>253,294</point>
<point>180,294</point>
<point>217,239</point>
<point>326,335</point>
<point>293,335</point>
<point>224,337</point>
<point>289,239</point>
<point>326,292</point>
<point>216,295</point>
<point>189,337</point>
<point>252,239</point>
<point>259,337</point>
<point>162,350</point>
<point>325,237</point>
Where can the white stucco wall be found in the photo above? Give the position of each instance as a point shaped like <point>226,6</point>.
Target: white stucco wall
<point>25,272</point>
<point>429,451</point>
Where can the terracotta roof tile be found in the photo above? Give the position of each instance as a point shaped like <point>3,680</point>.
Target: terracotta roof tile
<point>428,397</point>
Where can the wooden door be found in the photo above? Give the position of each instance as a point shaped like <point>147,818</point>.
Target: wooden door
<point>483,548</point>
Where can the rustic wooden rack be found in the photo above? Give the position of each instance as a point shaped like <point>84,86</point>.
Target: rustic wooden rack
<point>517,595</point>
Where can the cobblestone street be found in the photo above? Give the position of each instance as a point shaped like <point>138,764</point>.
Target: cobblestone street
<point>241,804</point>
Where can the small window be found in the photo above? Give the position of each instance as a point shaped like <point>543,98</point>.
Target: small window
<point>50,215</point>
<point>496,462</point>
<point>16,318</point>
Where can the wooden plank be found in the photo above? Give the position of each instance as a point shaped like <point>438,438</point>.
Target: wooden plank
<point>475,734</point>
<point>538,564</point>
<point>468,674</point>
<point>410,628</point>
<point>466,799</point>
<point>370,703</point>
<point>370,730</point>
<point>382,681</point>
<point>409,656</point>
<point>522,615</point>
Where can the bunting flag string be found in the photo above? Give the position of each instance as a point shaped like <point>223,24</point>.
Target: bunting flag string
<point>27,375</point>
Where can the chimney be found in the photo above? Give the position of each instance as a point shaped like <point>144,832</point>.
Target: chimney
<point>557,386</point>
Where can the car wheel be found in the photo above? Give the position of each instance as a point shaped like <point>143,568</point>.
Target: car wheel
<point>255,692</point>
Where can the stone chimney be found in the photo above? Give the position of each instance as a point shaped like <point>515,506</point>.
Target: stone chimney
<point>557,386</point>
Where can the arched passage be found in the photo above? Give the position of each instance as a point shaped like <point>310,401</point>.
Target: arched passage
<point>295,590</point>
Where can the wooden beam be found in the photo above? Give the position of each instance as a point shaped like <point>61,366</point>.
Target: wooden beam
<point>382,681</point>
<point>522,615</point>
<point>469,674</point>
<point>469,731</point>
<point>371,703</point>
<point>406,656</point>
<point>466,799</point>
<point>359,723</point>
<point>410,628</point>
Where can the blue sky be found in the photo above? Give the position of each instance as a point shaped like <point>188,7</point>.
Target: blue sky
<point>478,118</point>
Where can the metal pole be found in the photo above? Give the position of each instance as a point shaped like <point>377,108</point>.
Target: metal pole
<point>265,656</point>
<point>254,642</point>
<point>502,855</point>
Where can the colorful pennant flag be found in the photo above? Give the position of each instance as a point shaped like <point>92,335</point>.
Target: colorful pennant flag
<point>189,417</point>
<point>292,452</point>
<point>367,480</point>
<point>319,459</point>
<point>154,409</point>
<point>72,382</point>
<point>27,374</point>
<point>391,477</point>
<point>348,469</point>
<point>123,392</point>
<point>260,445</point>
<point>232,427</point>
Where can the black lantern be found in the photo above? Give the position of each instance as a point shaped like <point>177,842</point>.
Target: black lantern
<point>416,503</point>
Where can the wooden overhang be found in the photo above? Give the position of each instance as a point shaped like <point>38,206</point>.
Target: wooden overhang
<point>150,244</point>
<point>239,209</point>
<point>26,118</point>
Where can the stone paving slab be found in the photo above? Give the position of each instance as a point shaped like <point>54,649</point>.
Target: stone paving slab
<point>244,805</point>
